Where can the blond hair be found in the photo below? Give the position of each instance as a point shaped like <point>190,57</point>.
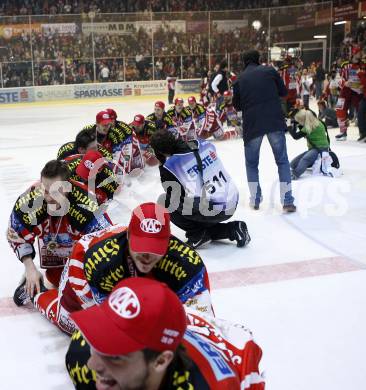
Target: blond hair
<point>307,119</point>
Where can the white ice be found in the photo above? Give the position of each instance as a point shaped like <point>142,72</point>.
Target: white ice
<point>311,329</point>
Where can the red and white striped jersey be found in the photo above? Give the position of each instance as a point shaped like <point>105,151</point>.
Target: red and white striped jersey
<point>225,353</point>
<point>350,73</point>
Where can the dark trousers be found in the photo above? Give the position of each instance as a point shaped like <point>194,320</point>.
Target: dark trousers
<point>361,116</point>
<point>171,93</point>
<point>305,100</point>
<point>194,224</point>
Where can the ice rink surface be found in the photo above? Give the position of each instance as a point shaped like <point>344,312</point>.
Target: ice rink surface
<point>300,285</point>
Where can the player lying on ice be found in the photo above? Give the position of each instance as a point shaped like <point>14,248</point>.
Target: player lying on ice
<point>209,121</point>
<point>146,248</point>
<point>141,338</point>
<point>56,212</point>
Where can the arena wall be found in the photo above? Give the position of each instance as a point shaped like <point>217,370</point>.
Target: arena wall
<point>90,91</point>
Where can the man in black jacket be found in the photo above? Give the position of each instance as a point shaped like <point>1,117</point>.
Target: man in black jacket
<point>257,94</point>
<point>219,83</point>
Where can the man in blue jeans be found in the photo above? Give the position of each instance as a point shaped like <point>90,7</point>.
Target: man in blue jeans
<point>257,94</point>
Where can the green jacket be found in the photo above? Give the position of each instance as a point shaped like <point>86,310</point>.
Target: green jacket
<point>317,138</point>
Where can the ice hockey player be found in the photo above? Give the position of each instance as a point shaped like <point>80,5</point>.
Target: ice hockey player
<point>142,338</point>
<point>199,193</point>
<point>146,248</point>
<point>160,118</point>
<point>85,140</point>
<point>144,129</point>
<point>182,120</point>
<point>93,170</point>
<point>57,212</point>
<point>204,93</point>
<point>227,113</point>
<point>351,91</point>
<point>213,127</point>
<point>198,110</point>
<point>117,137</point>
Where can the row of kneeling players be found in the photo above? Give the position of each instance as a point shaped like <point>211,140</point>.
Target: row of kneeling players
<point>135,298</point>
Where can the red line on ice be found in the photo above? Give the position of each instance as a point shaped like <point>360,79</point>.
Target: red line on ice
<point>244,277</point>
<point>280,272</point>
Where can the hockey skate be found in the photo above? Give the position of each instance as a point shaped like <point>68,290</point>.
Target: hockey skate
<point>341,136</point>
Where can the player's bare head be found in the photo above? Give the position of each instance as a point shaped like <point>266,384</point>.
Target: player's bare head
<point>148,235</point>
<point>159,108</point>
<point>165,143</point>
<point>86,140</point>
<point>54,175</point>
<point>179,104</point>
<point>192,102</point>
<point>132,334</point>
<point>305,71</point>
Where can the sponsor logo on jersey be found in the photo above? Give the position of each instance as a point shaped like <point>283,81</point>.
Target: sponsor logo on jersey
<point>215,359</point>
<point>206,161</point>
<point>124,303</point>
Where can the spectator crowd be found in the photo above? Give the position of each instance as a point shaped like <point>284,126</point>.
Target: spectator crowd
<point>54,7</point>
<point>51,57</point>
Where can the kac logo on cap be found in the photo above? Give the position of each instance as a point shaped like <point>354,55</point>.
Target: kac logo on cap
<point>105,116</point>
<point>124,303</point>
<point>151,225</point>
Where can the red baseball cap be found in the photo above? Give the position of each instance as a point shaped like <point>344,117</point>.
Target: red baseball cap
<point>160,104</point>
<point>138,120</point>
<point>191,100</point>
<point>139,313</point>
<point>149,229</point>
<point>178,101</point>
<point>112,113</point>
<point>103,118</point>
<point>87,163</point>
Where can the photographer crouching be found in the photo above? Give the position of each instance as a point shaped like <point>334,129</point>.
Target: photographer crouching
<point>307,125</point>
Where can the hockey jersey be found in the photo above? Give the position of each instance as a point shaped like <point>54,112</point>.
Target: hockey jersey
<point>69,149</point>
<point>56,235</point>
<point>219,356</point>
<point>122,142</point>
<point>350,73</point>
<point>105,183</point>
<point>165,122</point>
<point>144,135</point>
<point>212,182</point>
<point>101,259</point>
